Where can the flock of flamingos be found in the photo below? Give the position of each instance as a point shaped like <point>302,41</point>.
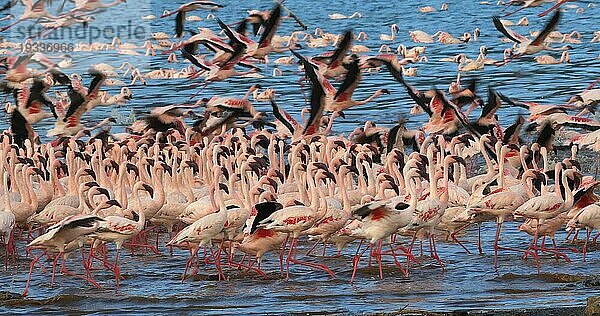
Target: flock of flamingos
<point>238,186</point>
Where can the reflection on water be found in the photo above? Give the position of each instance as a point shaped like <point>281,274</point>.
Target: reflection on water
<point>152,283</point>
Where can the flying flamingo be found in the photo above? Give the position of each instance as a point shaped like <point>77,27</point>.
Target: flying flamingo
<point>188,7</point>
<point>33,11</point>
<point>527,46</point>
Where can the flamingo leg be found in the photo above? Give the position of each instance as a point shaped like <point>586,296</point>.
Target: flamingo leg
<point>398,264</point>
<point>435,253</point>
<point>555,251</point>
<point>453,237</point>
<point>312,248</point>
<point>575,236</point>
<point>288,259</point>
<point>377,255</point>
<point>218,263</point>
<point>569,234</point>
<point>31,265</point>
<point>587,238</point>
<point>519,9</point>
<point>313,265</point>
<point>412,242</point>
<point>193,254</point>
<point>283,245</point>
<point>11,25</point>
<point>356,259</point>
<point>554,7</point>
<point>54,262</point>
<point>116,268</point>
<point>406,252</point>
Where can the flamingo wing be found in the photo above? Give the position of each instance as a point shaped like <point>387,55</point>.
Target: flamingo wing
<point>20,128</point>
<point>511,133</point>
<point>343,46</point>
<point>76,102</point>
<point>317,97</point>
<point>9,5</point>
<point>195,61</point>
<point>510,34</point>
<point>284,117</point>
<point>264,210</point>
<point>238,45</point>
<point>179,22</point>
<point>81,221</point>
<point>350,82</point>
<point>413,92</point>
<point>270,26</point>
<point>36,94</point>
<point>492,105</point>
<point>550,26</point>
<point>98,79</point>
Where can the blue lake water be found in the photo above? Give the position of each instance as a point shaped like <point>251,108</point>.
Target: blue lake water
<point>152,282</point>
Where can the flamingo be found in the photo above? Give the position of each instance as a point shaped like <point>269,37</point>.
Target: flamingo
<point>339,16</point>
<point>7,222</point>
<point>526,46</point>
<point>335,100</point>
<point>588,218</point>
<point>294,220</point>
<point>380,219</point>
<point>260,240</point>
<point>390,38</point>
<point>201,232</point>
<point>33,11</point>
<point>119,229</point>
<point>549,60</point>
<point>547,205</point>
<point>60,235</point>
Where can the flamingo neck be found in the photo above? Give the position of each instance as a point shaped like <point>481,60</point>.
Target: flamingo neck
<point>6,197</point>
<point>32,196</point>
<point>371,186</point>
<point>141,215</point>
<point>568,193</point>
<point>343,190</point>
<point>557,177</point>
<point>369,99</point>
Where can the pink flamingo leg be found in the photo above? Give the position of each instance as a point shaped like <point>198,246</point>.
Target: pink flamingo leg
<point>554,7</point>
<point>11,25</point>
<point>309,264</point>
<point>281,254</point>
<point>435,253</point>
<point>519,9</point>
<point>189,263</point>
<point>356,259</point>
<point>398,264</point>
<point>31,265</point>
<point>312,248</point>
<point>587,238</point>
<point>54,268</point>
<point>116,269</point>
<point>453,237</point>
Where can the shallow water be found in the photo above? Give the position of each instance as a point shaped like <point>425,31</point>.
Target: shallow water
<point>152,282</point>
